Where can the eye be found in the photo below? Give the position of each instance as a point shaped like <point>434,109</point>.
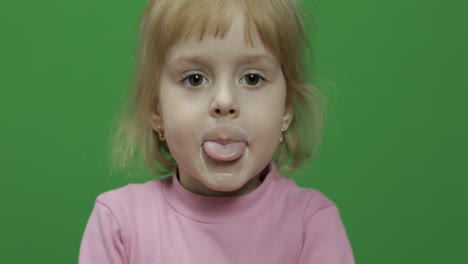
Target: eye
<point>252,79</point>
<point>194,80</point>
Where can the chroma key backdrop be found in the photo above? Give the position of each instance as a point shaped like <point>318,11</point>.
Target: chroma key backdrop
<point>394,155</point>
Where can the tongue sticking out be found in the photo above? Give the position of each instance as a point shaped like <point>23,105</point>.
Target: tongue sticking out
<point>224,152</point>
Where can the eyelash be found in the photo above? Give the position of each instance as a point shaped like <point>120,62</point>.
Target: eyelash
<point>185,78</point>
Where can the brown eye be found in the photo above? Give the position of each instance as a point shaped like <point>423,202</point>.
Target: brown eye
<point>252,79</point>
<point>195,79</point>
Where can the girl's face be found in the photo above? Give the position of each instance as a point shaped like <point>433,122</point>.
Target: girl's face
<point>222,108</point>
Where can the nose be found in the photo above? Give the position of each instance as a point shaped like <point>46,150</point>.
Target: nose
<point>225,103</point>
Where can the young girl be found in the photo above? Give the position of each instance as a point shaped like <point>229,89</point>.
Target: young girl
<point>219,103</point>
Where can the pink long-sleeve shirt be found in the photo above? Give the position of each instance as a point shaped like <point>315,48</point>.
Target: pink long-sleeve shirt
<point>162,222</point>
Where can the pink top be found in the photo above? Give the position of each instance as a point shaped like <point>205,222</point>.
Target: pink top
<point>162,222</point>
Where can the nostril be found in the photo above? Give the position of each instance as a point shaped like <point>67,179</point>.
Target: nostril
<point>218,111</point>
<point>232,111</point>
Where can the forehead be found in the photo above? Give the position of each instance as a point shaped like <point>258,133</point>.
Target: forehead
<point>232,45</point>
<point>199,24</point>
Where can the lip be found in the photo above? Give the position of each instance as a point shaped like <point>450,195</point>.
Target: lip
<point>224,141</point>
<point>223,134</point>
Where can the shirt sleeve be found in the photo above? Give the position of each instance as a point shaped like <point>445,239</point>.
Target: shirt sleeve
<point>103,238</point>
<point>325,239</point>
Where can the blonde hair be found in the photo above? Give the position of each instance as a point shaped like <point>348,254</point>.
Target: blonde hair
<point>165,22</point>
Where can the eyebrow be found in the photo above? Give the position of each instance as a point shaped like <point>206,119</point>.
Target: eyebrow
<point>205,60</point>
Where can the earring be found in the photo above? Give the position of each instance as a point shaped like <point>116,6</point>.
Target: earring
<point>161,133</point>
<point>282,134</point>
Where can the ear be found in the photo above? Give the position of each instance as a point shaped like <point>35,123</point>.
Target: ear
<point>287,117</point>
<point>155,119</point>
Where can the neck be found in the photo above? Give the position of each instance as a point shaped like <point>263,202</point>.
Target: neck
<point>202,189</point>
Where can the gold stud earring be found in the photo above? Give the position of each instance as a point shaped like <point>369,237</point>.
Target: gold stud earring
<point>162,137</point>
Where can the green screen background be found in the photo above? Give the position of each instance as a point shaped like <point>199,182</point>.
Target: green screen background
<point>394,155</point>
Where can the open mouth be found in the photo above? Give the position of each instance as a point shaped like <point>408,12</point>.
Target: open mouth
<point>224,150</point>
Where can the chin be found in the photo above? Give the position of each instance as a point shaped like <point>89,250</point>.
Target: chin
<point>226,176</point>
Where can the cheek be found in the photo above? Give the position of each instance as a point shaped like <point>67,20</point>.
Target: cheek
<point>265,110</point>
<point>267,133</point>
<point>180,140</point>
<point>179,128</point>
<point>180,124</point>
<point>265,118</point>
<point>179,110</point>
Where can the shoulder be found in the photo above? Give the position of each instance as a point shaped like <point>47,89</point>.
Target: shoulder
<point>120,219</point>
<point>324,235</point>
<point>309,200</point>
<point>131,196</point>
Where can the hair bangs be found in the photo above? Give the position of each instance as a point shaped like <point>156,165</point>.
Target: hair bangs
<point>186,19</point>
